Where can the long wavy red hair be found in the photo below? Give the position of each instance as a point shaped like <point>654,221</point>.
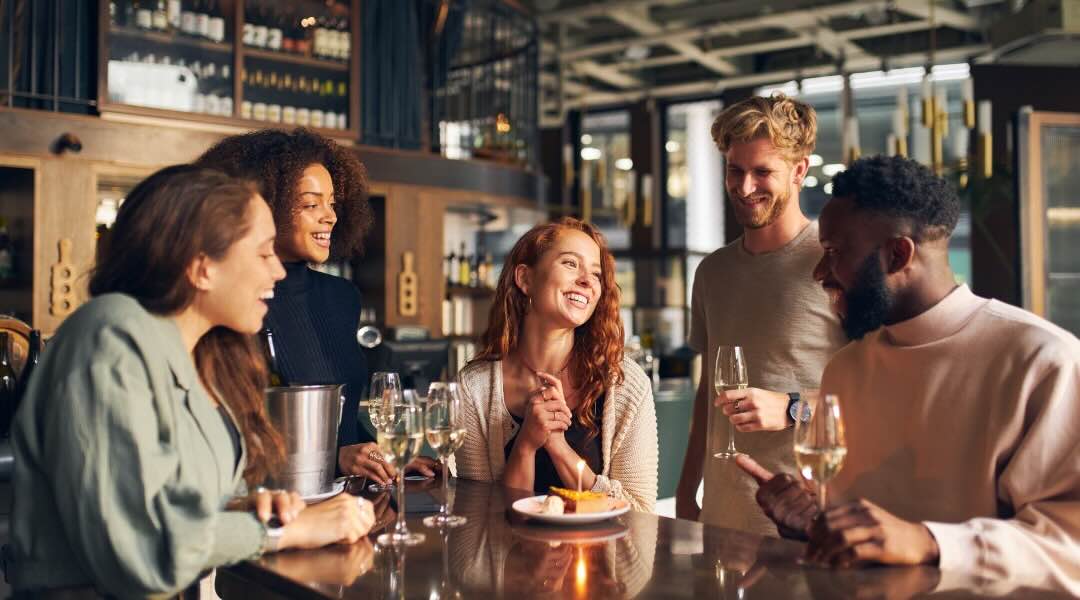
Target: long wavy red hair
<point>596,359</point>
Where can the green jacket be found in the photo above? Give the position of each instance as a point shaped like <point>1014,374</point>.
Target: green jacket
<point>122,465</point>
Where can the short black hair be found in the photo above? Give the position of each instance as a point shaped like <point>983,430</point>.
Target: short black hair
<point>901,188</point>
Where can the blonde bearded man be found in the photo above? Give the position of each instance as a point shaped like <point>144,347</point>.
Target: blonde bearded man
<point>758,292</point>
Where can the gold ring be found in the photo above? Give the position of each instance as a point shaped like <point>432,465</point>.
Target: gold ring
<point>373,455</point>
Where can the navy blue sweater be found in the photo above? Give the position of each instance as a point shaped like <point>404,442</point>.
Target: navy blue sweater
<point>314,317</point>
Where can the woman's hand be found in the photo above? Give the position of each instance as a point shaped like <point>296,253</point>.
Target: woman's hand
<point>268,503</point>
<point>365,460</point>
<point>423,465</point>
<point>545,413</point>
<point>342,519</point>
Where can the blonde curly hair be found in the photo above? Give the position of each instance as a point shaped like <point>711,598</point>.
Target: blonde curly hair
<point>789,124</point>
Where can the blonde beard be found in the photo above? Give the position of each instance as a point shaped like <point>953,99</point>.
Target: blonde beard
<point>770,214</point>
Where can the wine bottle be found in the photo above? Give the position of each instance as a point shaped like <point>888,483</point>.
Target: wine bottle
<point>270,355</point>
<point>463,277</point>
<point>33,355</point>
<point>452,276</point>
<point>8,385</point>
<point>174,12</point>
<point>143,16</point>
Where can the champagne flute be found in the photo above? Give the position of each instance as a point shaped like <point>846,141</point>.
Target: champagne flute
<point>445,434</point>
<point>730,374</point>
<point>401,437</point>
<point>819,440</point>
<point>385,390</point>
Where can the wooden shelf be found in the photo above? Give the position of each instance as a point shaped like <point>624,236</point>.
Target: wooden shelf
<point>466,290</point>
<point>296,59</point>
<point>175,39</point>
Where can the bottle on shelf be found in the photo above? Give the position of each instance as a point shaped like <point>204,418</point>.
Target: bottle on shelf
<point>160,17</point>
<point>33,356</point>
<point>144,16</point>
<point>463,266</point>
<point>202,18</point>
<point>481,270</point>
<point>446,266</point>
<point>8,384</point>
<point>474,270</point>
<point>270,355</point>
<point>7,253</point>
<point>489,273</point>
<point>174,14</point>
<point>455,269</point>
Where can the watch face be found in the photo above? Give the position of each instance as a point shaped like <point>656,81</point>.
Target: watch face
<point>793,410</point>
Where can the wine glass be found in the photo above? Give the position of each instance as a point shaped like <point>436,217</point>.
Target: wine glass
<point>385,390</point>
<point>445,434</point>
<point>819,439</point>
<point>401,436</point>
<point>730,374</point>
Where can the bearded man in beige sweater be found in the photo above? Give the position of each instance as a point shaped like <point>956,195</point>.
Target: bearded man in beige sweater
<point>962,413</point>
<point>757,293</point>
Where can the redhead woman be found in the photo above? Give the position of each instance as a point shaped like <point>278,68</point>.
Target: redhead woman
<point>143,425</point>
<point>317,191</point>
<point>550,385</point>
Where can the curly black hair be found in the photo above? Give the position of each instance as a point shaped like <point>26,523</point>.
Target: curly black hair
<point>274,161</point>
<point>904,189</point>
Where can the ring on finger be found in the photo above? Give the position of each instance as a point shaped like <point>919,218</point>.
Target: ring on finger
<point>373,455</point>
<point>261,490</point>
<point>736,406</point>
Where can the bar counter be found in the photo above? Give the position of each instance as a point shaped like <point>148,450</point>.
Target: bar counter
<point>498,554</point>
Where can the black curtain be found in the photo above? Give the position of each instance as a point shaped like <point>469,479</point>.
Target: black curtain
<point>392,74</point>
<point>48,51</point>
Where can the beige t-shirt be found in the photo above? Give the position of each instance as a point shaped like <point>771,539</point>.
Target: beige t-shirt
<point>771,306</point>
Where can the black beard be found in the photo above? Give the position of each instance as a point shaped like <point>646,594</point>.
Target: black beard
<point>868,302</point>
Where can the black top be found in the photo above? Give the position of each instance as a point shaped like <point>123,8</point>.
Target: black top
<point>314,317</point>
<point>234,434</point>
<point>590,451</point>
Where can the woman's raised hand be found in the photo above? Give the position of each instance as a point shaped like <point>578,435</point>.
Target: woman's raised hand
<point>545,413</point>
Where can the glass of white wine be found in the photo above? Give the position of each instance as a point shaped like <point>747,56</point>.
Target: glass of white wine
<point>445,434</point>
<point>819,440</point>
<point>401,437</point>
<point>730,374</point>
<point>385,390</point>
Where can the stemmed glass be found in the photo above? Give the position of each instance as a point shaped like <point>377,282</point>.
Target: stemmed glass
<point>730,374</point>
<point>819,440</point>
<point>445,434</point>
<point>385,390</point>
<point>401,436</point>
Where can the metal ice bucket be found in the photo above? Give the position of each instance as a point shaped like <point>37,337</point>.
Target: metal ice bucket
<point>307,416</point>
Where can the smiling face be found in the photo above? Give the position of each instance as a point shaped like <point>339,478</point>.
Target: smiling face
<point>314,217</point>
<point>565,284</point>
<point>761,182</point>
<point>232,291</point>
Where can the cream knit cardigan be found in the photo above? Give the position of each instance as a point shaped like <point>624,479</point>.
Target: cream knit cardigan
<point>627,433</point>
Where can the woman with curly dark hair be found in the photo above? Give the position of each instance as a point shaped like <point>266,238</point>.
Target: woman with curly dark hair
<point>550,385</point>
<point>317,191</point>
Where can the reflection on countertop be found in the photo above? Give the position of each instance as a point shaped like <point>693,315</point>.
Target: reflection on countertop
<point>498,554</point>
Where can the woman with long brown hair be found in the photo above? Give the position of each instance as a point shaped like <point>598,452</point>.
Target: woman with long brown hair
<point>550,385</point>
<point>143,426</point>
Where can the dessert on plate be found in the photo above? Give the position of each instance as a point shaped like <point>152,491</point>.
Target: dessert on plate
<point>582,502</point>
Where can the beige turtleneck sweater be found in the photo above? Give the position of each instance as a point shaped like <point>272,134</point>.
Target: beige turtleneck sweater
<point>967,418</point>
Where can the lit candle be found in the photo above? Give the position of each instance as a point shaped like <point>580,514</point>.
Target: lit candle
<point>580,468</point>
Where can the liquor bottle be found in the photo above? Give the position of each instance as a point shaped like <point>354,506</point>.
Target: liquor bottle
<point>270,355</point>
<point>7,385</point>
<point>452,276</point>
<point>160,16</point>
<point>446,266</point>
<point>144,18</point>
<point>202,18</point>
<point>7,253</point>
<point>33,355</point>
<point>173,14</point>
<point>482,270</point>
<point>463,266</point>
<point>474,270</point>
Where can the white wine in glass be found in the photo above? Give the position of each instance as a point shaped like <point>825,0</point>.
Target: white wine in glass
<point>400,439</point>
<point>445,434</point>
<point>819,440</point>
<point>384,391</point>
<point>730,374</point>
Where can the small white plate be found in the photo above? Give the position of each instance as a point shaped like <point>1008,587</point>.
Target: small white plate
<point>339,486</point>
<point>530,507</point>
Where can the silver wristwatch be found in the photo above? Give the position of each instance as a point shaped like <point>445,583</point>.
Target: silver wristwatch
<point>272,540</point>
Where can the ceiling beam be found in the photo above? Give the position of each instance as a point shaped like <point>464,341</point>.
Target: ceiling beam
<point>601,9</point>
<point>791,20</point>
<point>699,88</point>
<point>943,15</point>
<point>605,73</point>
<point>645,26</point>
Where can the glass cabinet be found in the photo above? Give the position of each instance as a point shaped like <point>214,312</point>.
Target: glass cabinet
<point>1050,215</point>
<point>246,63</point>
